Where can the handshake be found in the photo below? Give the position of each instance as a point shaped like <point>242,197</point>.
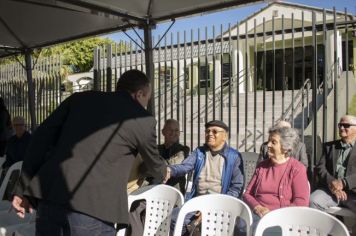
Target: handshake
<point>168,175</point>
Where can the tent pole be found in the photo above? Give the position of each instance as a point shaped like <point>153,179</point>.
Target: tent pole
<point>31,92</point>
<point>149,64</point>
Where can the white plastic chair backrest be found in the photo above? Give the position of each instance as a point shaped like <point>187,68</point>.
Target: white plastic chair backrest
<point>2,160</point>
<point>219,214</point>
<point>16,166</point>
<point>160,201</point>
<point>341,211</point>
<point>302,221</point>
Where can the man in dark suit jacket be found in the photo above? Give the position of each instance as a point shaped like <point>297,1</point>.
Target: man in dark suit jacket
<point>79,161</point>
<point>337,170</point>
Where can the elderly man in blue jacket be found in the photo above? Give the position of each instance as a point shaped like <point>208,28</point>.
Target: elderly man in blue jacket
<point>216,167</point>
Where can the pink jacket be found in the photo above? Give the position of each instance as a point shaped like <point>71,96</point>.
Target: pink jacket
<point>294,187</point>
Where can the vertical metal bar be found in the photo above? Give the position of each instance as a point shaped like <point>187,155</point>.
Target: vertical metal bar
<point>131,52</point>
<point>143,56</point>
<point>31,91</point>
<point>238,84</point>
<point>214,72</point>
<point>96,69</point>
<point>120,57</point>
<point>165,79</point>
<point>303,76</point>
<point>171,73</point>
<point>125,58</point>
<point>325,81</point>
<point>178,77</point>
<point>264,80</point>
<point>191,89</point>
<point>207,72</point>
<point>273,71</point>
<point>347,62</point>
<point>45,91</point>
<point>221,74</point>
<point>314,87</point>
<point>108,68</point>
<point>186,77</point>
<point>284,82</point>
<point>58,85</point>
<point>149,64</point>
<point>336,69</point>
<point>199,77</point>
<point>293,67</point>
<point>246,81</point>
<point>230,86</point>
<point>136,55</point>
<point>254,86</point>
<point>103,68</point>
<point>115,67</point>
<point>159,91</point>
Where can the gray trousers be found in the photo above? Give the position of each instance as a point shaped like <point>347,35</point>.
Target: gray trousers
<point>323,199</point>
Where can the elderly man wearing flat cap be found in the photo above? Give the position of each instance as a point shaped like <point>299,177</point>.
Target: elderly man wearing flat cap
<point>217,168</point>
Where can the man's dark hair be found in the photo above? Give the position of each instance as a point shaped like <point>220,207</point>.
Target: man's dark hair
<point>132,81</point>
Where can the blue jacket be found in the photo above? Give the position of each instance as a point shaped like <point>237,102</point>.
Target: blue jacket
<point>232,178</point>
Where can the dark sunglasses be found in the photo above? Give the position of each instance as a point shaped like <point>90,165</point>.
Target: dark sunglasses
<point>345,125</point>
<point>213,131</point>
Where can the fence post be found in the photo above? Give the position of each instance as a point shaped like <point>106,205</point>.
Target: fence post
<point>96,69</point>
<point>108,68</point>
<point>149,64</point>
<point>31,92</point>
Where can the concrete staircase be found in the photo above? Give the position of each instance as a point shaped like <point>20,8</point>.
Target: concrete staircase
<point>246,128</point>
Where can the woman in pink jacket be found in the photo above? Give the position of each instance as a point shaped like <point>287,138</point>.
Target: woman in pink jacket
<point>279,181</point>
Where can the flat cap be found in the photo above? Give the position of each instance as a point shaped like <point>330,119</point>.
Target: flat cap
<point>217,123</point>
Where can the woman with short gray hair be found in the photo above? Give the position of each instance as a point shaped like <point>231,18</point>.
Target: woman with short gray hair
<point>289,137</point>
<point>280,181</point>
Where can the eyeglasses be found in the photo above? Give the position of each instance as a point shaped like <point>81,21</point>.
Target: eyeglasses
<point>19,124</point>
<point>214,131</point>
<point>345,125</point>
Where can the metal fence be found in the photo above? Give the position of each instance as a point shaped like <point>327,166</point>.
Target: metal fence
<point>47,83</point>
<point>250,75</point>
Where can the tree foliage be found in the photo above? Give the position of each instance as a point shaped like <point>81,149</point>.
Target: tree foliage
<point>77,56</point>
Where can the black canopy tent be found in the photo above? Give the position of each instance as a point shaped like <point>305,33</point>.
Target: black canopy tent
<point>29,24</point>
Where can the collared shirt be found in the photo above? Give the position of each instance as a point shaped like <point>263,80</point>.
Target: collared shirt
<point>211,174</point>
<point>343,159</point>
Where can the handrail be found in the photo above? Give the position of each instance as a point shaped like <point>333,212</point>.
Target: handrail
<point>305,86</point>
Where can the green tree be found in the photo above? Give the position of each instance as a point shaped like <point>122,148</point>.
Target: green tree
<point>77,56</point>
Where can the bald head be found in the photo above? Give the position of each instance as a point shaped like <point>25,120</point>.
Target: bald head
<point>283,124</point>
<point>19,125</point>
<point>171,132</point>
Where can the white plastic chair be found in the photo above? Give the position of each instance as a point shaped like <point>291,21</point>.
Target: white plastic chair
<point>25,229</point>
<point>219,213</point>
<point>9,221</point>
<point>16,166</point>
<point>341,211</point>
<point>302,221</point>
<point>160,201</point>
<point>5,205</point>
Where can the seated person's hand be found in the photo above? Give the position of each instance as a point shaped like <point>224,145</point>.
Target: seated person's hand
<point>198,218</point>
<point>336,185</point>
<point>260,210</point>
<point>340,195</point>
<point>168,175</point>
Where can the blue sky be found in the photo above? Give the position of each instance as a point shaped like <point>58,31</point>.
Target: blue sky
<point>230,16</point>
